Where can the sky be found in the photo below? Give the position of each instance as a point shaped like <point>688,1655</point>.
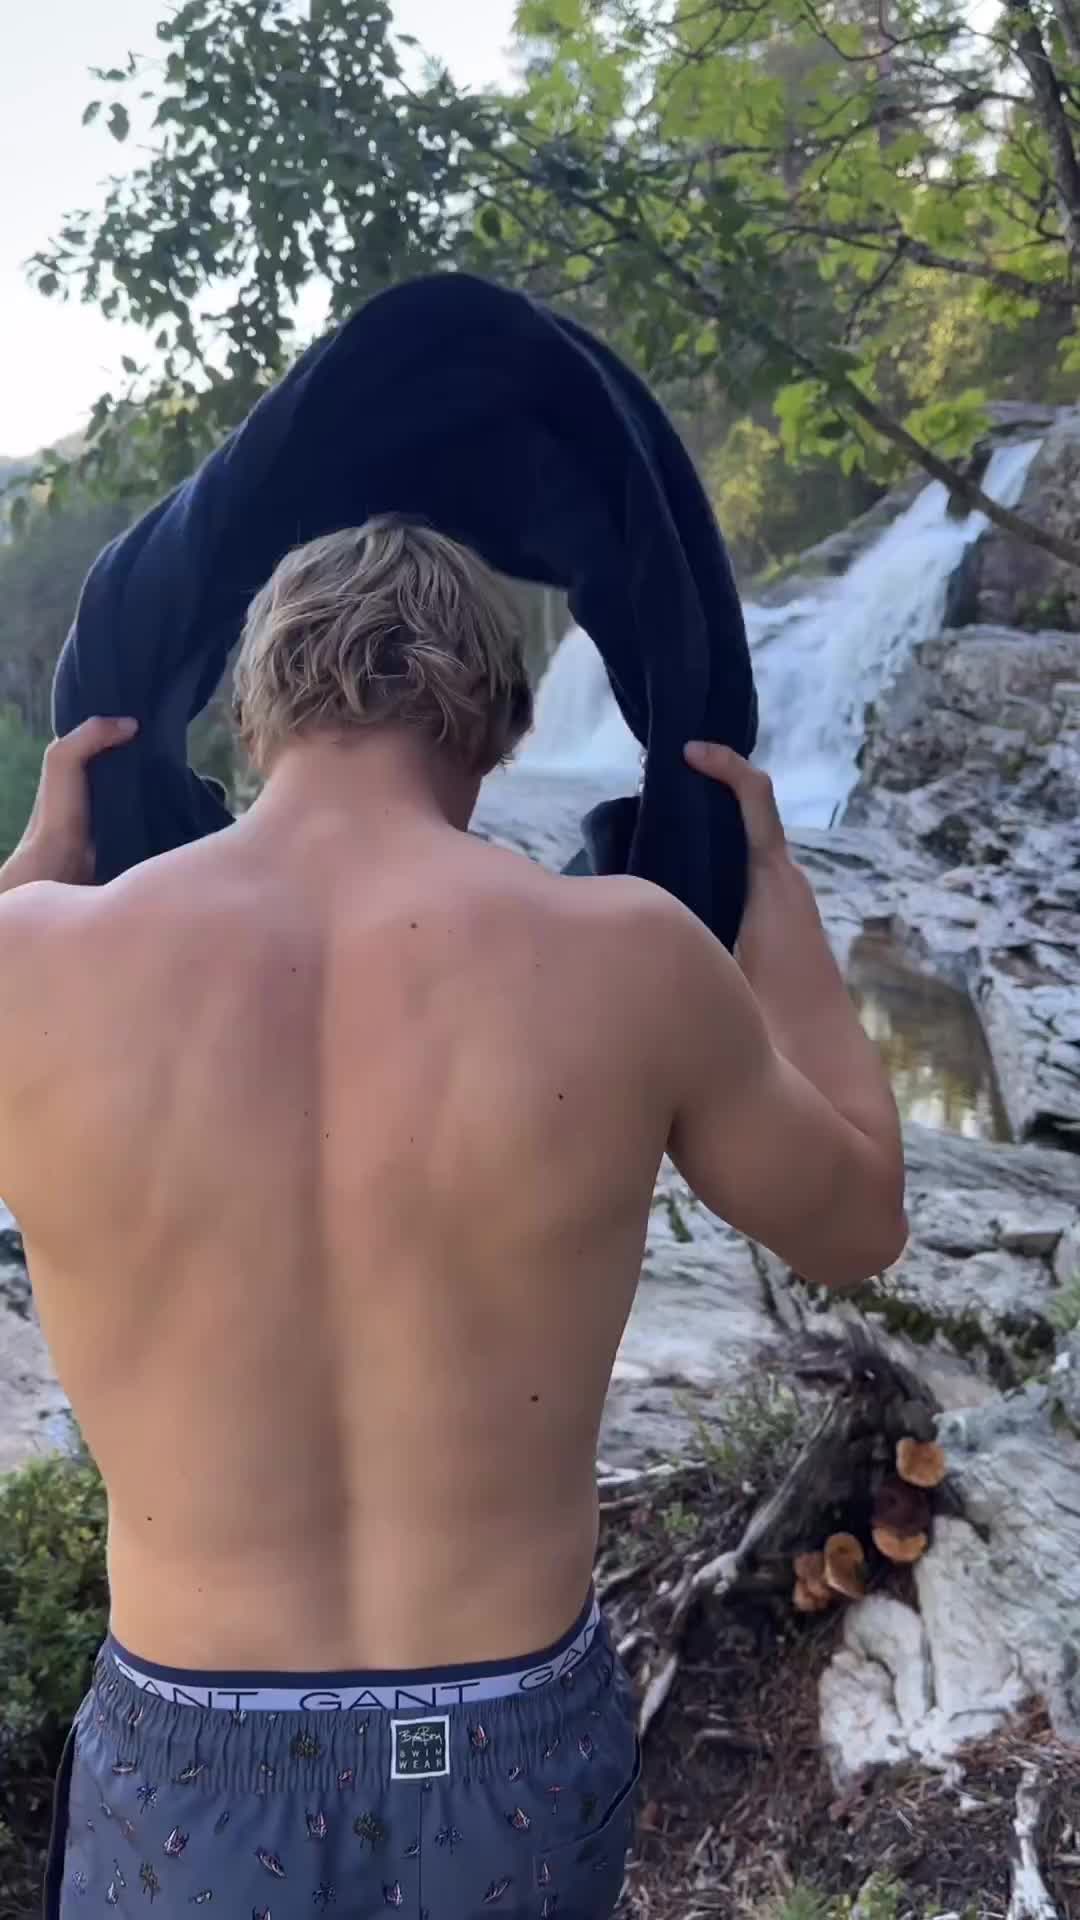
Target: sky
<point>56,358</point>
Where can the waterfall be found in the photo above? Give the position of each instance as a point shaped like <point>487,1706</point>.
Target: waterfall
<point>578,727</point>
<point>818,661</point>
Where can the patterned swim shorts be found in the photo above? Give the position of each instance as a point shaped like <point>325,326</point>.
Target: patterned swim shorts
<point>507,1793</point>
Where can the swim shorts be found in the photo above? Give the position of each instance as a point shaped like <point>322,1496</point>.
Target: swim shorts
<point>503,1791</point>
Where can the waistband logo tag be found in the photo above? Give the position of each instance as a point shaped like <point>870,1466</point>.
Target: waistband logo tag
<point>421,1749</point>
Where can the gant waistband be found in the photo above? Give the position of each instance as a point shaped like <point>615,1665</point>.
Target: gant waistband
<point>412,1691</point>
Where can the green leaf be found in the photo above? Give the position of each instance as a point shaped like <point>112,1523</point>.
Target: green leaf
<point>128,363</point>
<point>48,283</point>
<point>118,123</point>
<point>951,427</point>
<point>491,222</point>
<point>91,112</point>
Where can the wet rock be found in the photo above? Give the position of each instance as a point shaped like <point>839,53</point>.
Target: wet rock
<point>1016,583</point>
<point>1064,1382</point>
<point>11,1246</point>
<point>975,762</point>
<point>1016,420</point>
<point>1017,1473</point>
<point>701,1327</point>
<point>539,813</point>
<point>974,1297</point>
<point>29,1393</point>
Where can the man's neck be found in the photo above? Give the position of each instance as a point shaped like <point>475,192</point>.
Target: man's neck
<point>381,780</point>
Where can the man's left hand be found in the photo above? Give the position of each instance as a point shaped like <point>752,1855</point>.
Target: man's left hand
<point>57,844</point>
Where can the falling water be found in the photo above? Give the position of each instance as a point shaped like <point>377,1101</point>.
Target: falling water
<point>819,661</point>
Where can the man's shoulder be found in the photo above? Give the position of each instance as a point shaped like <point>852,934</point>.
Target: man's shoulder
<point>628,929</point>
<point>41,907</point>
<point>628,905</point>
<point>41,923</point>
<point>47,925</point>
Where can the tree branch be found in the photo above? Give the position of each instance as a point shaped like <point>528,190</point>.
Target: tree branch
<point>1050,110</point>
<point>957,482</point>
<point>1070,29</point>
<point>1048,292</point>
<point>636,233</point>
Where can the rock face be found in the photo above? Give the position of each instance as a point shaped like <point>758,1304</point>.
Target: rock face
<point>1010,583</point>
<point>974,763</point>
<point>29,1395</point>
<point>1010,420</point>
<point>976,1301</point>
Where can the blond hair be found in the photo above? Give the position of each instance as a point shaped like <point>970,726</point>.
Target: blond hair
<point>389,622</point>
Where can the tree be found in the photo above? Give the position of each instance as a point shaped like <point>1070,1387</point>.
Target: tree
<point>760,197</point>
<point>287,152</point>
<point>41,575</point>
<point>766,186</point>
<point>20,768</point>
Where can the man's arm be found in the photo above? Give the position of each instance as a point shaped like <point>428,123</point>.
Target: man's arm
<point>785,1122</point>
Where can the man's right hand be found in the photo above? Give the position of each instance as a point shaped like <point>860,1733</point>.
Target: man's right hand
<point>754,792</point>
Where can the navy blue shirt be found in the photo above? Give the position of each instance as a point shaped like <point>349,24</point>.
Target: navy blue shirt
<point>507,427</point>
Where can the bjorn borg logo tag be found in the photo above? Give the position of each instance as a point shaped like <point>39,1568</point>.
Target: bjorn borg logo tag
<point>421,1749</point>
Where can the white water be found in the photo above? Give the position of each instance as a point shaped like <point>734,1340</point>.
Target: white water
<point>818,661</point>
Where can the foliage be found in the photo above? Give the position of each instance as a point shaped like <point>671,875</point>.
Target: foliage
<point>41,575</point>
<point>866,219</point>
<point>802,1903</point>
<point>757,1434</point>
<point>882,1898</point>
<point>53,1613</point>
<point>680,1522</point>
<point>286,150</point>
<point>770,506</point>
<point>775,187</point>
<point>1064,1310</point>
<point>20,767</point>
<point>53,1599</point>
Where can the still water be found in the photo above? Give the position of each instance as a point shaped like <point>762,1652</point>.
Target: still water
<point>929,1036</point>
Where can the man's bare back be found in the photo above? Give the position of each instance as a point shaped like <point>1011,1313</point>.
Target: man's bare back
<point>333,1141</point>
<point>334,1164</point>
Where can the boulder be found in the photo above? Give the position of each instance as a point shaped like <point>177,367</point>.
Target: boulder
<point>974,762</point>
<point>30,1397</point>
<point>1010,582</point>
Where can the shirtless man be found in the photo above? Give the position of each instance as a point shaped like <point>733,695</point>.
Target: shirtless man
<point>333,1140</point>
